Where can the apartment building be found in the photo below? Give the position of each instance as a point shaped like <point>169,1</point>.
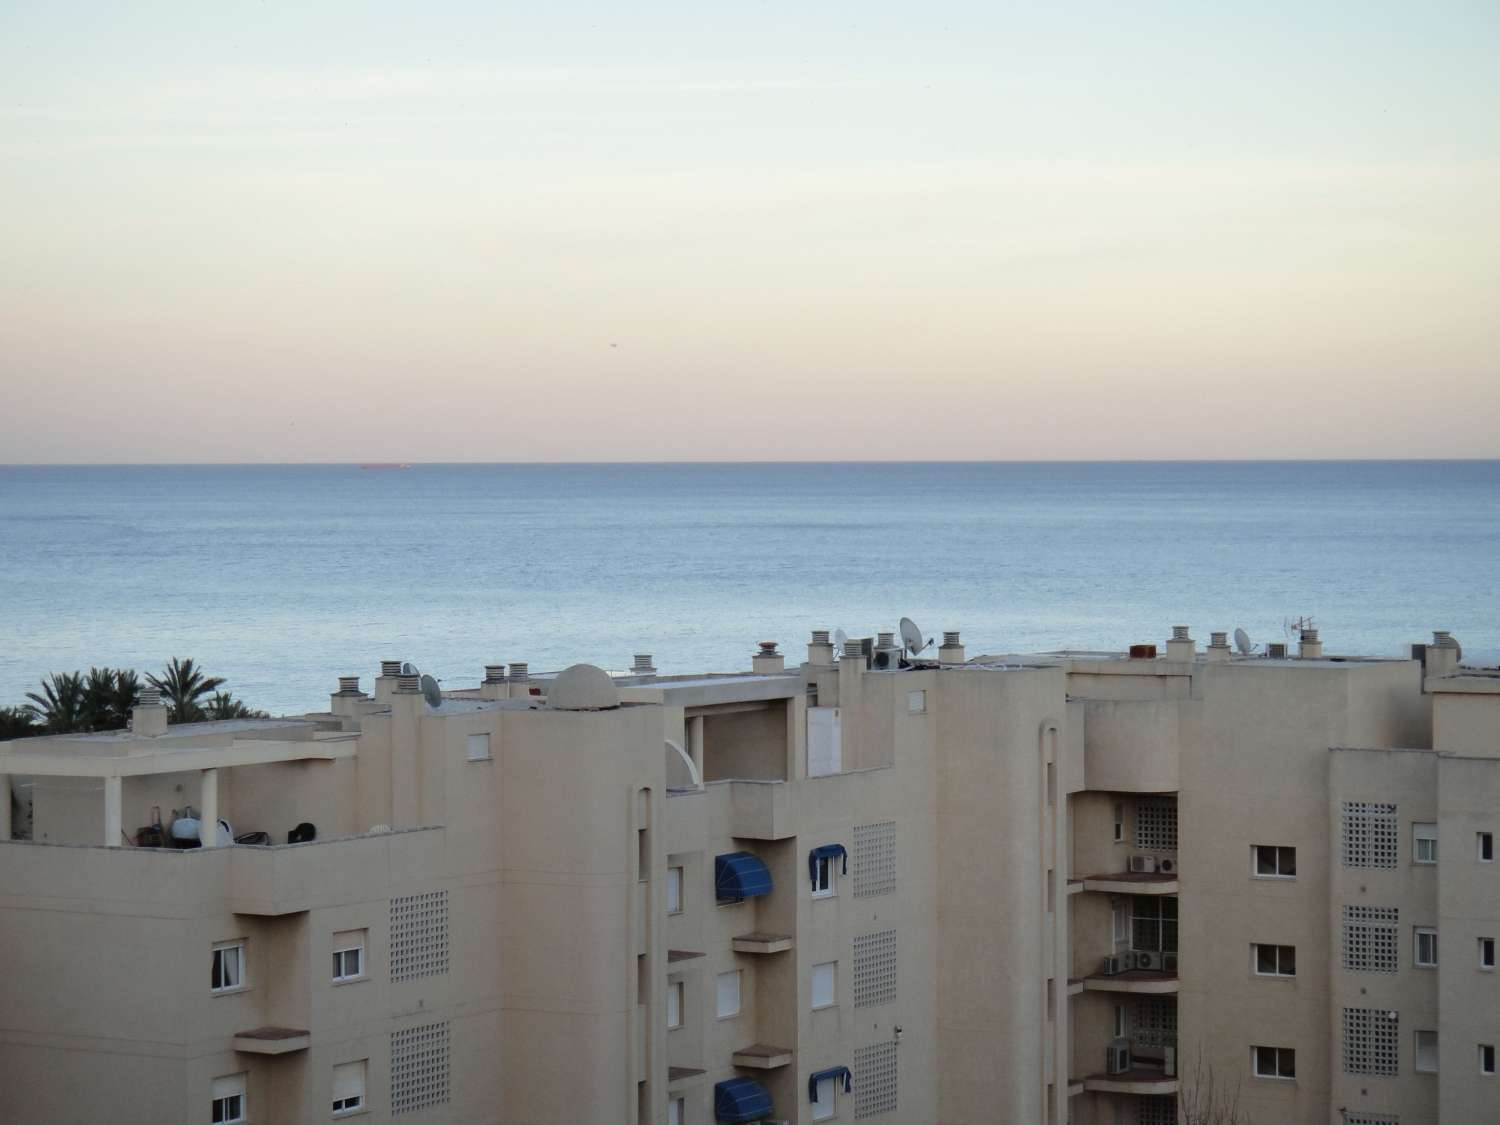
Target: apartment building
<point>868,885</point>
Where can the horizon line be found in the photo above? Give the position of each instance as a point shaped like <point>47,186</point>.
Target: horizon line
<point>398,464</point>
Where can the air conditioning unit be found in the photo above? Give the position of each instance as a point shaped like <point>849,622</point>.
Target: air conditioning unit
<point>1169,1061</point>
<point>1169,962</point>
<point>1276,651</point>
<point>1143,865</point>
<point>1151,961</point>
<point>1167,866</point>
<point>1119,1057</point>
<point>1112,966</point>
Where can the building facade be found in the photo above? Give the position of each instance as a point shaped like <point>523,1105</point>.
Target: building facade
<point>862,886</point>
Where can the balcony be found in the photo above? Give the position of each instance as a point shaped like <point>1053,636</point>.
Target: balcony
<point>272,1040</point>
<point>1138,1080</point>
<point>762,1056</point>
<point>1132,883</point>
<point>761,943</point>
<point>1140,981</point>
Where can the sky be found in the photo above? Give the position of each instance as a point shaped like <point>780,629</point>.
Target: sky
<point>686,231</point>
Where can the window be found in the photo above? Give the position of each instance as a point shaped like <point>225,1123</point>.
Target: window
<point>1486,953</point>
<point>1153,924</point>
<point>1486,842</point>
<point>1156,823</point>
<point>1486,1058</point>
<point>1424,843</point>
<point>349,1087</point>
<point>677,1111</point>
<point>479,748</point>
<point>1274,960</point>
<point>1424,947</point>
<point>1272,861</point>
<point>1370,939</point>
<point>825,985</point>
<point>727,995</point>
<point>1427,1052</point>
<point>675,995</point>
<point>825,876</point>
<point>1119,923</point>
<point>1155,1021</point>
<point>228,1096</point>
<point>916,702</point>
<point>1370,1044</point>
<point>349,955</point>
<point>1274,1062</point>
<point>674,890</point>
<point>229,969</point>
<point>1369,834</point>
<point>1119,823</point>
<point>824,1106</point>
<point>642,855</point>
<point>1119,1022</point>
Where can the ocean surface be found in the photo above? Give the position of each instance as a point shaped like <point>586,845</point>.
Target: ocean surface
<point>282,578</point>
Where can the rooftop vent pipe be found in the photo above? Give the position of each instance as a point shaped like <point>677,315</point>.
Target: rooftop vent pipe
<point>643,665</point>
<point>494,673</point>
<point>1309,647</point>
<point>1443,654</point>
<point>767,660</point>
<point>150,697</point>
<point>148,718</point>
<point>1181,647</point>
<point>1218,646</point>
<point>349,685</point>
<point>408,685</point>
<point>952,650</point>
<point>820,649</point>
<point>390,667</point>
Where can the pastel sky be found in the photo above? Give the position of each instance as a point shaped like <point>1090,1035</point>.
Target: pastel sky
<point>680,231</point>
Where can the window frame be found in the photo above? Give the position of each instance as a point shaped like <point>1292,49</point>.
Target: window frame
<point>676,990</point>
<point>677,1110</point>
<point>1487,1071</point>
<point>1484,842</point>
<point>1119,818</point>
<point>1486,945</point>
<point>833,989</point>
<point>1418,933</point>
<point>1416,1052</point>
<point>916,701</point>
<point>478,738</point>
<point>739,994</point>
<point>1276,851</point>
<point>1418,838</point>
<point>241,1096</point>
<point>1119,1022</point>
<point>676,878</point>
<point>238,945</point>
<point>1277,1076</point>
<point>827,883</point>
<point>827,1097</point>
<point>340,953</point>
<point>1277,974</point>
<point>341,1108</point>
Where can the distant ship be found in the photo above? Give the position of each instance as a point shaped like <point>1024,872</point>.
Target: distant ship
<point>385,465</point>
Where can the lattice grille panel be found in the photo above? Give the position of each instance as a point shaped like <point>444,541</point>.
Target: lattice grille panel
<point>419,935</point>
<point>874,1080</point>
<point>1156,824</point>
<point>874,859</point>
<point>1369,834</point>
<point>1370,939</point>
<point>1155,1022</point>
<point>875,969</point>
<point>1156,1109</point>
<point>1370,1041</point>
<point>419,1067</point>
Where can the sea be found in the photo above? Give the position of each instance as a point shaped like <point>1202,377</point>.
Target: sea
<point>281,578</point>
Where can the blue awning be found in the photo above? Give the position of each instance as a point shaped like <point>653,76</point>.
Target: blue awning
<point>834,1072</point>
<point>825,851</point>
<point>741,1099</point>
<point>740,875</point>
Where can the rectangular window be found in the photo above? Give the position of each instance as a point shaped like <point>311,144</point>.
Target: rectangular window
<point>229,967</point>
<point>1119,823</point>
<point>1424,843</point>
<point>1424,947</point>
<point>1119,924</point>
<point>677,1111</point>
<point>825,876</point>
<point>479,748</point>
<point>349,1087</point>
<point>1272,861</point>
<point>1153,924</point>
<point>1370,830</point>
<point>1427,1052</point>
<point>916,702</point>
<point>349,955</point>
<point>727,995</point>
<point>1370,1041</point>
<point>824,1107</point>
<point>642,855</point>
<point>1486,953</point>
<point>1486,1058</point>
<point>1274,960</point>
<point>1370,939</point>
<point>228,1095</point>
<point>1119,1022</point>
<point>674,890</point>
<point>1486,843</point>
<point>825,985</point>
<point>1274,1062</point>
<point>675,996</point>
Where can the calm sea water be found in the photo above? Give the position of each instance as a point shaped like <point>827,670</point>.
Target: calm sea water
<point>283,577</point>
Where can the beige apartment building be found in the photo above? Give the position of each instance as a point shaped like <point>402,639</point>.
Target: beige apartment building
<point>860,887</point>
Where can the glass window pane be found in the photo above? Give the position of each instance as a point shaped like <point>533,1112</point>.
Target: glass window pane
<point>1288,958</point>
<point>1265,958</point>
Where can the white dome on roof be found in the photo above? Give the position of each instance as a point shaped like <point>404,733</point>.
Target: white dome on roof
<point>583,687</point>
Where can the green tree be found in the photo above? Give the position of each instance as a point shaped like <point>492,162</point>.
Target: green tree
<point>108,696</point>
<point>224,705</point>
<point>17,722</point>
<point>60,703</point>
<point>183,685</point>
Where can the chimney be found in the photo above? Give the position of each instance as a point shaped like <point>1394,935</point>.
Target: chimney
<point>1181,647</point>
<point>493,684</point>
<point>148,718</point>
<point>1442,654</point>
<point>1308,646</point>
<point>519,687</point>
<point>494,673</point>
<point>853,658</point>
<point>1218,647</point>
<point>408,685</point>
<point>643,665</point>
<point>767,662</point>
<point>349,685</point>
<point>385,683</point>
<point>820,650</point>
<point>951,651</point>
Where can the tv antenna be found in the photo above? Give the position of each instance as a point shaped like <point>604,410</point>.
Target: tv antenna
<point>911,637</point>
<point>840,639</point>
<point>1242,642</point>
<point>431,692</point>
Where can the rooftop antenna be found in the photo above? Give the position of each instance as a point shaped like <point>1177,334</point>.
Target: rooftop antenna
<point>1242,642</point>
<point>911,637</point>
<point>840,638</point>
<point>431,692</point>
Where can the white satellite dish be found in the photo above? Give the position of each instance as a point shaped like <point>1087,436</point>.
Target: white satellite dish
<point>431,692</point>
<point>408,669</point>
<point>1460,656</point>
<point>1242,642</point>
<point>840,638</point>
<point>911,637</point>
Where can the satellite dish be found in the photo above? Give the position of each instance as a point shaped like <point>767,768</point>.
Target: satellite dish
<point>1460,657</point>
<point>408,669</point>
<point>1242,642</point>
<point>911,637</point>
<point>840,638</point>
<point>431,692</point>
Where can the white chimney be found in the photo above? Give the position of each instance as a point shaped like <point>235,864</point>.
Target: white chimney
<point>643,665</point>
<point>148,718</point>
<point>767,661</point>
<point>952,649</point>
<point>1218,647</point>
<point>1181,647</point>
<point>820,650</point>
<point>1308,645</point>
<point>1442,654</point>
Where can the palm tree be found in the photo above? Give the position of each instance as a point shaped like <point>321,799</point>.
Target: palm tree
<point>60,703</point>
<point>108,696</point>
<point>182,684</point>
<point>225,706</point>
<point>17,722</point>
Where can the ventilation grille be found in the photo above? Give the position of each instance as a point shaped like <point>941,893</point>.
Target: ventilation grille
<point>1370,1041</point>
<point>1156,824</point>
<point>1370,832</point>
<point>1155,1022</point>
<point>419,1067</point>
<point>1156,1109</point>
<point>875,969</point>
<point>874,1080</point>
<point>874,859</point>
<point>419,935</point>
<point>1370,1119</point>
<point>1370,939</point>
